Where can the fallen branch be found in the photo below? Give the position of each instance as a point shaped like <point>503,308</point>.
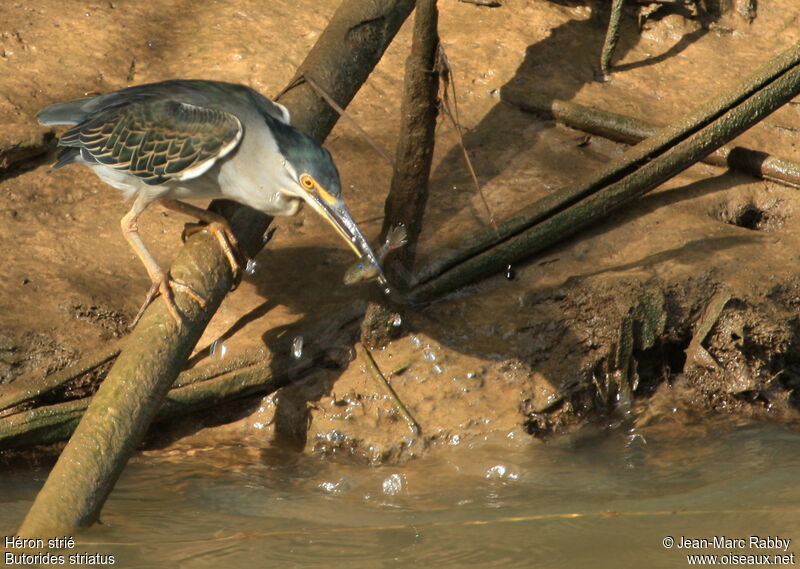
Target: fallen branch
<point>630,130</point>
<point>233,377</point>
<point>353,122</point>
<point>199,389</point>
<point>645,166</point>
<point>26,389</point>
<point>157,350</point>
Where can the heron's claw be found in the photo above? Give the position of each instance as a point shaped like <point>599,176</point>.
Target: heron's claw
<point>164,286</point>
<point>228,242</point>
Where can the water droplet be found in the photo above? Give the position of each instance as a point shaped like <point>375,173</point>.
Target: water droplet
<point>415,342</point>
<point>392,485</point>
<point>339,487</point>
<point>218,349</point>
<point>250,269</point>
<point>429,355</point>
<point>267,237</point>
<point>510,272</point>
<point>387,291</point>
<point>297,347</point>
<point>437,369</point>
<point>634,438</point>
<point>500,471</point>
<point>396,320</point>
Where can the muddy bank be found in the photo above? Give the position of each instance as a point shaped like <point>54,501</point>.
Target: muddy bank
<point>594,331</point>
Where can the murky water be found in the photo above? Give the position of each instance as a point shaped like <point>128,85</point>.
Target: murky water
<point>608,502</point>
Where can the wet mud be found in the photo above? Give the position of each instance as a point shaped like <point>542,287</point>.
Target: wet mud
<point>594,332</point>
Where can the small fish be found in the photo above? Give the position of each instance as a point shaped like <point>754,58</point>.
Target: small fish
<point>363,270</point>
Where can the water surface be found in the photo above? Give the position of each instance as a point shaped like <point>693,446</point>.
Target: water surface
<point>604,502</point>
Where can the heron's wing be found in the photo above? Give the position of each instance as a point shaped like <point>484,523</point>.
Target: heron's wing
<point>156,140</point>
<point>268,107</point>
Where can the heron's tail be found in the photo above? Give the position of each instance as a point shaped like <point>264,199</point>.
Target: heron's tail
<point>69,112</point>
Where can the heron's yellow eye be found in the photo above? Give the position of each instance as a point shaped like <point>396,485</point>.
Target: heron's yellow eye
<point>307,181</point>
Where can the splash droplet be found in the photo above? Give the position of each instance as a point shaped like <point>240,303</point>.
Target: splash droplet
<point>250,269</point>
<point>341,486</point>
<point>297,347</point>
<point>502,472</point>
<point>392,484</point>
<point>218,349</point>
<point>498,471</point>
<point>510,272</point>
<point>396,320</point>
<point>267,237</point>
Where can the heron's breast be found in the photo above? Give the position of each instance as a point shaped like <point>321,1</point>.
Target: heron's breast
<point>255,176</point>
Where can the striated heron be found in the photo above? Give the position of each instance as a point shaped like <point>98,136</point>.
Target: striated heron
<point>201,139</point>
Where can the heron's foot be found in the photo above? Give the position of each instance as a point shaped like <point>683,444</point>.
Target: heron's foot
<point>228,243</point>
<point>165,286</point>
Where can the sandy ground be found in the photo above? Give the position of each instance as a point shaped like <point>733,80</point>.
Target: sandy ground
<point>511,358</point>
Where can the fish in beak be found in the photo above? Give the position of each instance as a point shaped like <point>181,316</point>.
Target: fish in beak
<point>335,212</point>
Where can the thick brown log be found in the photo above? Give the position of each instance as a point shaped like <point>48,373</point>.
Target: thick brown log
<point>408,192</point>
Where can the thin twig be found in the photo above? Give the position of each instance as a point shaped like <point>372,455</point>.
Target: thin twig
<point>336,107</point>
<point>449,84</point>
<point>696,354</point>
<point>486,3</point>
<point>375,371</point>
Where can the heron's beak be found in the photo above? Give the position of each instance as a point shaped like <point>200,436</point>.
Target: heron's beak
<point>335,212</point>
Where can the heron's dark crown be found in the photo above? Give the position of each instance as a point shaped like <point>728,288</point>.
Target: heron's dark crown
<point>305,155</point>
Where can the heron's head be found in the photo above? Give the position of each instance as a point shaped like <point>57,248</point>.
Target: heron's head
<point>315,179</point>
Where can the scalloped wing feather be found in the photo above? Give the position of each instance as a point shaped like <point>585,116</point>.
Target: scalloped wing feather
<point>157,141</point>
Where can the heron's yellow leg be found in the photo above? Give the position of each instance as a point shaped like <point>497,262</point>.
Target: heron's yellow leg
<point>162,283</point>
